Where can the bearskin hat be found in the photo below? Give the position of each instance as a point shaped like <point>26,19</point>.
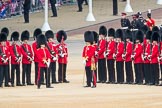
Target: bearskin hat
<point>155,29</point>
<point>37,32</point>
<point>148,35</point>
<point>128,34</point>
<point>15,36</point>
<point>119,34</point>
<point>88,36</point>
<point>139,35</point>
<point>96,37</point>
<point>5,30</point>
<point>111,32</point>
<point>49,34</point>
<point>155,36</point>
<point>103,31</point>
<point>61,35</point>
<point>3,37</point>
<point>145,28</point>
<point>25,35</point>
<point>41,40</point>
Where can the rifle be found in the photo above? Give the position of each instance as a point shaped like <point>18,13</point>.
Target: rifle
<point>18,57</point>
<point>51,52</point>
<point>4,59</point>
<point>28,53</point>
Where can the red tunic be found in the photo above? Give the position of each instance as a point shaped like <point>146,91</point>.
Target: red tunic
<point>95,48</point>
<point>34,47</point>
<point>102,48</point>
<point>25,59</point>
<point>120,51</point>
<point>88,52</point>
<point>150,23</point>
<point>53,48</point>
<point>111,50</point>
<point>155,54</point>
<point>128,52</point>
<point>62,48</point>
<point>13,56</point>
<point>42,53</point>
<point>5,50</point>
<point>138,51</point>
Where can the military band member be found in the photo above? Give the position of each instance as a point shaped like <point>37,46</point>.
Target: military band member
<point>137,57</point>
<point>118,56</point>
<point>102,74</point>
<point>154,59</point>
<point>37,32</point>
<point>127,58</point>
<point>109,55</point>
<point>43,61</point>
<point>88,56</point>
<point>15,59</point>
<point>27,58</point>
<point>4,58</point>
<point>124,21</point>
<point>147,72</point>
<point>62,56</point>
<point>52,47</point>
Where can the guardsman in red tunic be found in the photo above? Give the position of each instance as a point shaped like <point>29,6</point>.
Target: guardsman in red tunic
<point>15,52</point>
<point>62,56</point>
<point>88,57</point>
<point>137,57</point>
<point>154,59</point>
<point>95,45</point>
<point>160,56</point>
<point>6,30</point>
<point>43,61</point>
<point>34,47</point>
<point>102,74</point>
<point>127,57</point>
<point>118,56</point>
<point>110,51</point>
<point>4,58</point>
<point>147,72</point>
<point>52,47</point>
<point>27,58</point>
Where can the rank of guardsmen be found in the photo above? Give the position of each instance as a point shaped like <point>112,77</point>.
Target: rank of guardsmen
<point>43,52</point>
<point>131,54</point>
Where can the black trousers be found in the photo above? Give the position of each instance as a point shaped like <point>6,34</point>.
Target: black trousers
<point>102,74</point>
<point>120,71</point>
<point>88,75</point>
<point>53,7</point>
<point>3,74</point>
<point>9,76</point>
<point>52,70</point>
<point>129,72</point>
<point>80,2</point>
<point>41,72</point>
<point>26,73</point>
<point>138,73</point>
<point>111,70</point>
<point>147,73</point>
<point>26,13</point>
<point>62,72</point>
<point>17,68</point>
<point>155,73</point>
<point>36,72</point>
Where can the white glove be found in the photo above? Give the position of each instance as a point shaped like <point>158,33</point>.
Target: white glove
<point>54,58</point>
<point>114,55</point>
<point>84,62</point>
<point>62,55</point>
<point>96,53</point>
<point>48,64</point>
<point>123,55</point>
<point>105,54</point>
<point>132,56</point>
